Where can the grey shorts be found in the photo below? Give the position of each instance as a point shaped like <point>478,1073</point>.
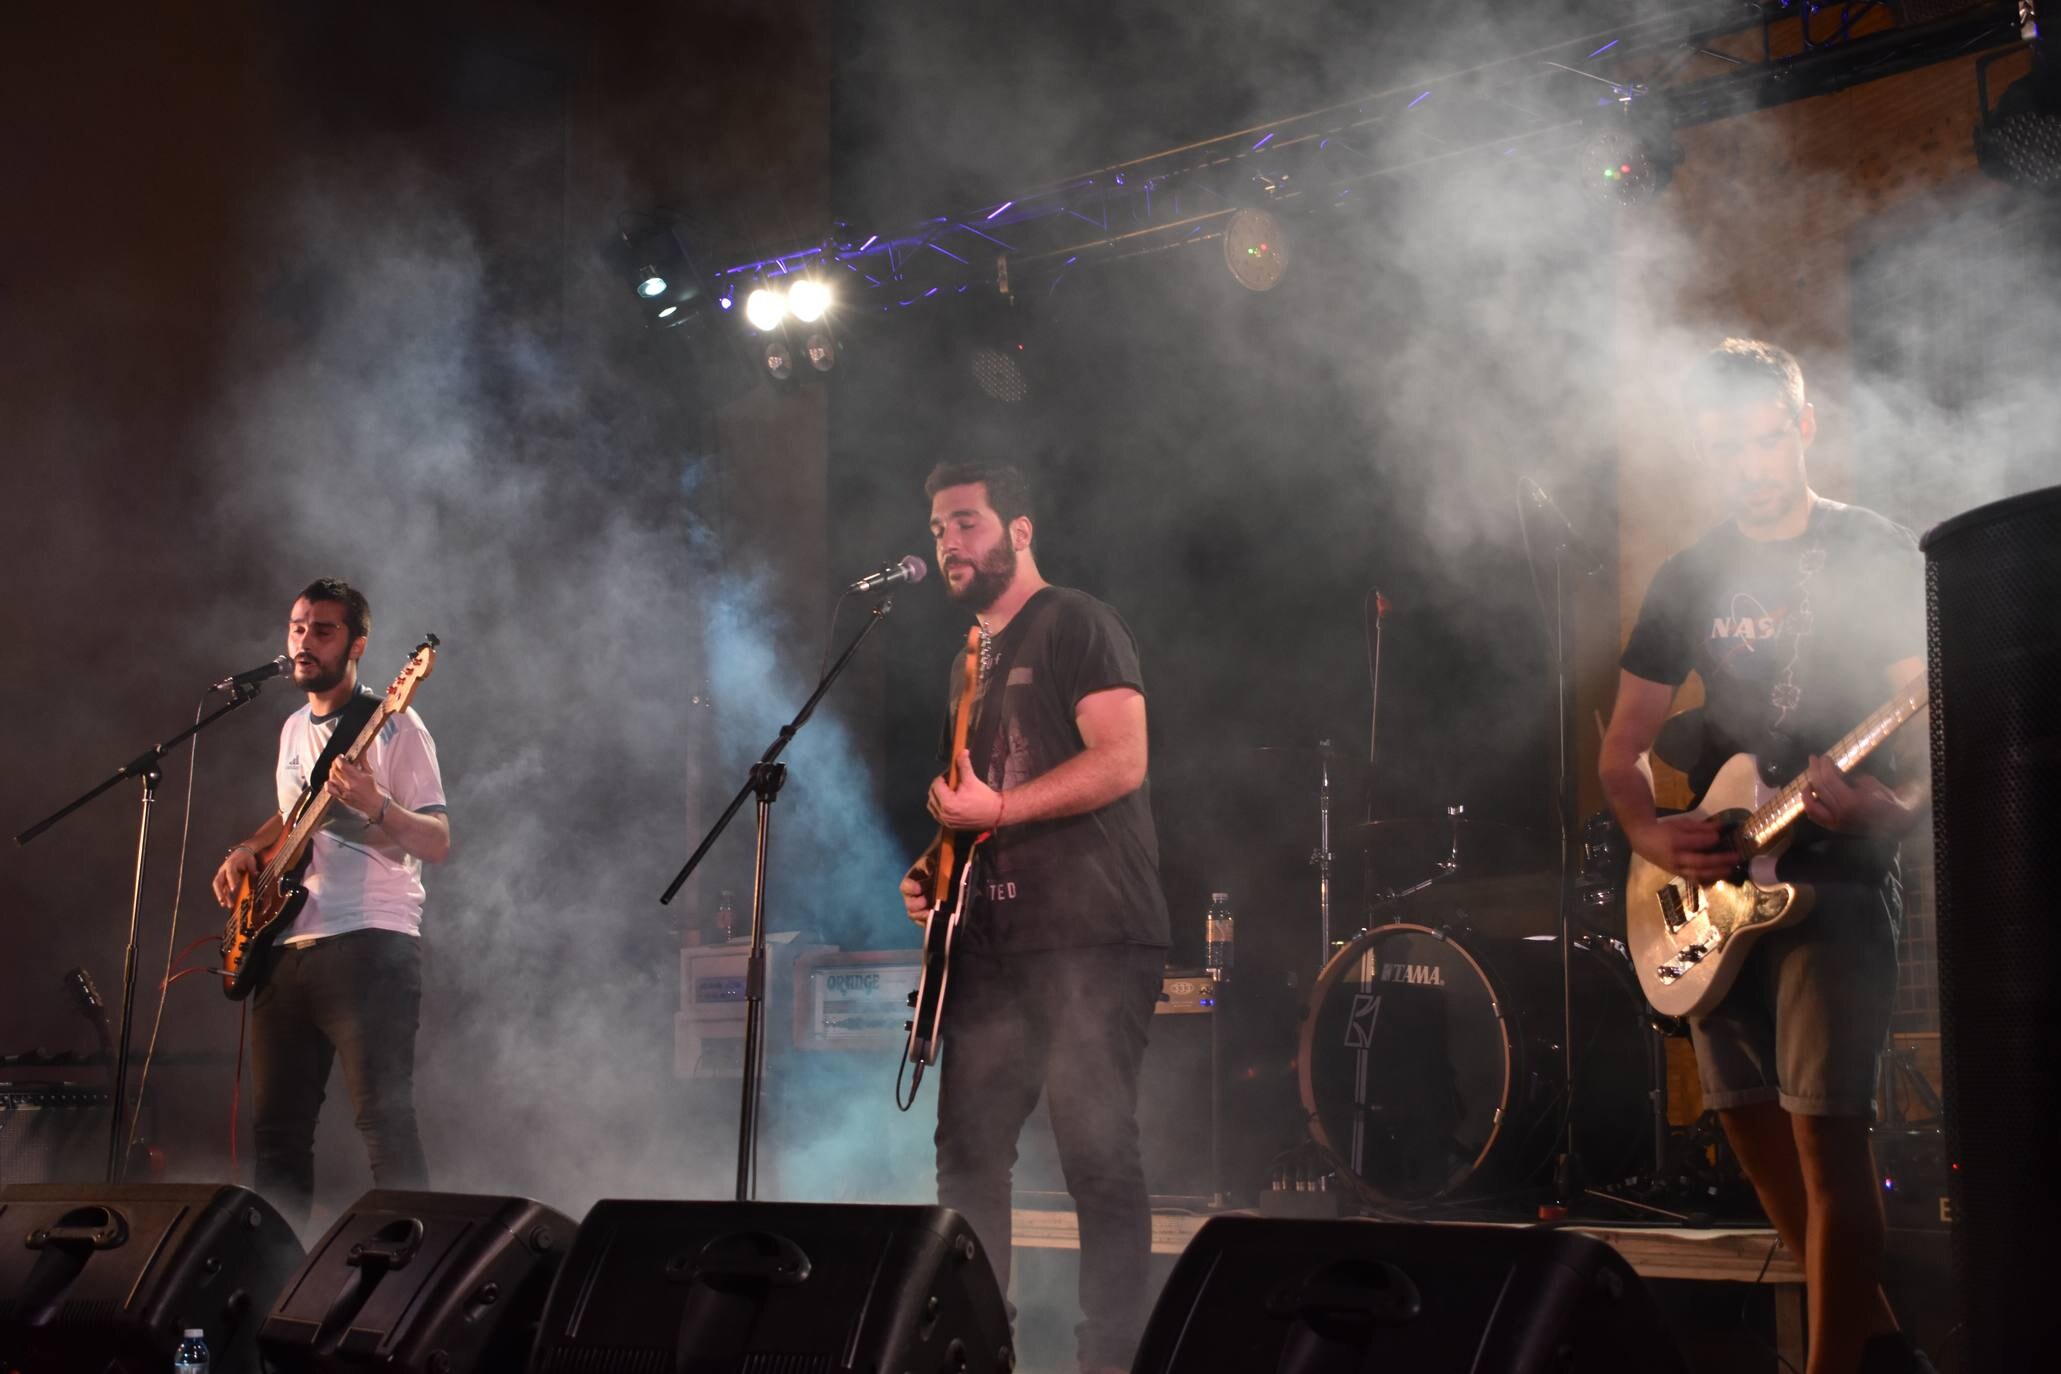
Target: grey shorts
<point>1807,1019</point>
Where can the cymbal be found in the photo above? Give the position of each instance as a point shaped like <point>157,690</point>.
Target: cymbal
<point>1325,750</point>
<point>1413,828</point>
<point>1680,742</point>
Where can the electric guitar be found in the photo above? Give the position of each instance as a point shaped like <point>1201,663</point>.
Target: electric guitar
<point>269,899</point>
<point>1687,939</point>
<point>950,862</point>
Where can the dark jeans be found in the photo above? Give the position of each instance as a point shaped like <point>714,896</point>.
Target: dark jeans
<point>1070,1023</point>
<point>355,996</point>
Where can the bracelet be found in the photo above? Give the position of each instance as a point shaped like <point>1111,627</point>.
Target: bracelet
<point>1001,809</point>
<point>384,802</point>
<point>244,847</point>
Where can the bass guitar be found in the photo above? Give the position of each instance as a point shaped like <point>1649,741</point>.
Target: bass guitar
<point>270,898</point>
<point>949,861</point>
<point>1687,939</point>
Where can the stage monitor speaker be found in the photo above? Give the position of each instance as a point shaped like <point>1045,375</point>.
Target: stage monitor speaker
<point>1341,1297</point>
<point>1993,612</point>
<point>420,1283</point>
<point>787,1288</point>
<point>104,1278</point>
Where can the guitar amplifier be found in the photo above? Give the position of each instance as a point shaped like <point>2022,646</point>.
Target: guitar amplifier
<point>857,1000</point>
<point>52,1132</point>
<point>708,1030</point>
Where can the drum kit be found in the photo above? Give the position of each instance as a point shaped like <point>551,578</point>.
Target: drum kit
<point>1433,1059</point>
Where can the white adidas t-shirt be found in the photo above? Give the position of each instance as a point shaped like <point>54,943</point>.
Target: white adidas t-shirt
<point>358,878</point>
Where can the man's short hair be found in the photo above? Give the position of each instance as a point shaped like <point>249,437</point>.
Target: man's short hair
<point>1009,491</point>
<point>1744,372</point>
<point>357,610</point>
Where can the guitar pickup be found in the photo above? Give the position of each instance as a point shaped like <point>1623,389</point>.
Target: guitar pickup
<point>1671,909</point>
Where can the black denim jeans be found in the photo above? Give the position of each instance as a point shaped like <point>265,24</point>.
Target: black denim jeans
<point>357,997</point>
<point>1070,1023</point>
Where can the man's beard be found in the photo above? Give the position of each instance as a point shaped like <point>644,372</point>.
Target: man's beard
<point>991,577</point>
<point>327,677</point>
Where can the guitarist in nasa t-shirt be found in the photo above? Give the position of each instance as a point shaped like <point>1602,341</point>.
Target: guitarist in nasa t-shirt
<point>1800,616</point>
<point>347,980</point>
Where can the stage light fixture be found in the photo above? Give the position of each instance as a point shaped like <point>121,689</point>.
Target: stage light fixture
<point>765,308</point>
<point>651,284</point>
<point>807,299</point>
<point>820,348</point>
<point>668,312</point>
<point>776,355</point>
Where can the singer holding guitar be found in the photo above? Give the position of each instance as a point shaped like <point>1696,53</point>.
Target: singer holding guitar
<point>1057,964</point>
<point>346,981</point>
<point>1800,615</point>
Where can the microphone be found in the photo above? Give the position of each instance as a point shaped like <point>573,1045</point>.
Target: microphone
<point>1585,559</point>
<point>278,667</point>
<point>910,569</point>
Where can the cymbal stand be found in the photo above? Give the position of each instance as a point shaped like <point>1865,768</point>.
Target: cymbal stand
<point>1321,856</point>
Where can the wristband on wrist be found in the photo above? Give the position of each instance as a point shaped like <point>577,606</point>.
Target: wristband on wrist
<point>384,802</point>
<point>1001,808</point>
<point>245,848</point>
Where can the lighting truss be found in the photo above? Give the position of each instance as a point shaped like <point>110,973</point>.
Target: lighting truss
<point>1700,62</point>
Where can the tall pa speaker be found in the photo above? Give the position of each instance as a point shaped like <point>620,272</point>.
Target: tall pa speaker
<point>784,1288</point>
<point>419,1283</point>
<point>103,1278</point>
<point>1342,1297</point>
<point>1993,617</point>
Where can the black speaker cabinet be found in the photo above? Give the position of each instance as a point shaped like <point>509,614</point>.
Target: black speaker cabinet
<point>104,1278</point>
<point>1993,616</point>
<point>420,1283</point>
<point>797,1288</point>
<point>1342,1297</point>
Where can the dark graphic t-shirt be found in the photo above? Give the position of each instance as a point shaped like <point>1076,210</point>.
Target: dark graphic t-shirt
<point>1791,637</point>
<point>1075,881</point>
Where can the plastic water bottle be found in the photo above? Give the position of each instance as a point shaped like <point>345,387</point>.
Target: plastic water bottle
<point>192,1356</point>
<point>1218,950</point>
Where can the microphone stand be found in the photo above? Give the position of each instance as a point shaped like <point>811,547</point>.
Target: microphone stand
<point>147,768</point>
<point>763,781</point>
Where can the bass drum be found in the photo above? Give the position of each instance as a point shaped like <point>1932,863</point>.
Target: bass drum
<point>1430,1063</point>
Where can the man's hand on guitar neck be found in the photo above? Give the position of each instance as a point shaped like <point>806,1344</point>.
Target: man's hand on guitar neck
<point>1858,805</point>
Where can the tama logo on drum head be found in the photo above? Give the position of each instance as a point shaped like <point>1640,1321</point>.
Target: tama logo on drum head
<point>1424,975</point>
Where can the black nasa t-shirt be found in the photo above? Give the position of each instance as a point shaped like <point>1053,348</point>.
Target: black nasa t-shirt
<point>1791,637</point>
<point>1074,881</point>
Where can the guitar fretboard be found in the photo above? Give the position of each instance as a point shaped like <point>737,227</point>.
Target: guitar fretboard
<point>1782,809</point>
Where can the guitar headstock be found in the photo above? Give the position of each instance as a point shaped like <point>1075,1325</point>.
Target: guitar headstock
<point>420,664</point>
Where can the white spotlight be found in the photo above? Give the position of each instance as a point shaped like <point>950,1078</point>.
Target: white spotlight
<point>764,307</point>
<point>652,284</point>
<point>807,299</point>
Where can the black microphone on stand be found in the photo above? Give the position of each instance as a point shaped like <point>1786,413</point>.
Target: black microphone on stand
<point>278,667</point>
<point>910,569</point>
<point>1581,557</point>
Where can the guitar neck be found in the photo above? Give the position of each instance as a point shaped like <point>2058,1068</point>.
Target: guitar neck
<point>315,806</point>
<point>1780,811</point>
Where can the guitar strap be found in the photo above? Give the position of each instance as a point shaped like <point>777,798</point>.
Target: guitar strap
<point>987,730</point>
<point>349,722</point>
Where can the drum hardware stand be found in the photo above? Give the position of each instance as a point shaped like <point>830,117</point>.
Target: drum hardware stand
<point>148,769</point>
<point>1567,1170</point>
<point>1321,855</point>
<point>763,782</point>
